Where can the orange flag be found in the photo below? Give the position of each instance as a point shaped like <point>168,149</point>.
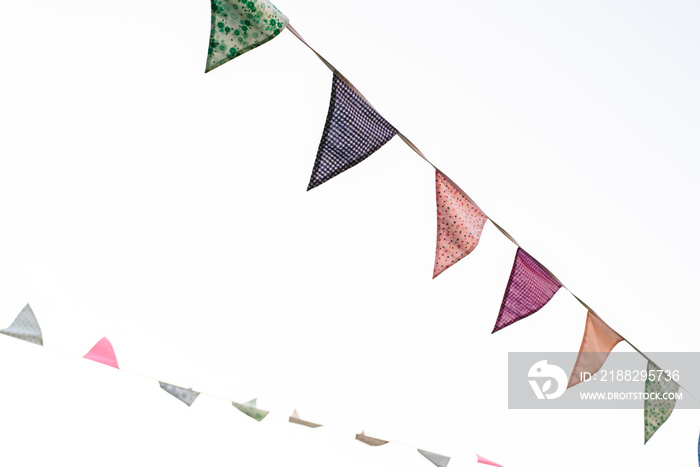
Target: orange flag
<point>369,440</point>
<point>295,418</point>
<point>598,340</point>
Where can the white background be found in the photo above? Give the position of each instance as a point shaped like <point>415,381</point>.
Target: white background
<point>166,209</point>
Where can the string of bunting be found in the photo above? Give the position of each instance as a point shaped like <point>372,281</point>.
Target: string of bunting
<point>26,327</point>
<point>354,130</point>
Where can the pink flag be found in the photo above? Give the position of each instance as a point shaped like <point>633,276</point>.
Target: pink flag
<point>459,223</point>
<point>598,341</point>
<point>483,460</point>
<point>529,288</point>
<point>103,352</point>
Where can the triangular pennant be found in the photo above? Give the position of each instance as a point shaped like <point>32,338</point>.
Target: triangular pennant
<point>353,131</point>
<point>249,408</point>
<point>529,288</point>
<point>459,223</point>
<point>295,418</point>
<point>187,396</point>
<point>103,352</point>
<point>25,327</point>
<point>438,459</point>
<point>659,399</point>
<point>369,440</point>
<point>483,460</point>
<point>598,341</point>
<point>239,26</point>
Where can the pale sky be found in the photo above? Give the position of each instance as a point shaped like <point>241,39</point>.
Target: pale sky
<point>167,210</point>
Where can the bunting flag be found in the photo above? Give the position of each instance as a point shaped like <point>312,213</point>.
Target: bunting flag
<point>103,352</point>
<point>459,223</point>
<point>438,459</point>
<point>250,409</point>
<point>187,396</point>
<point>657,409</point>
<point>369,440</point>
<point>25,327</point>
<point>238,26</point>
<point>295,418</point>
<point>353,131</point>
<point>598,341</point>
<point>483,460</point>
<point>529,288</point>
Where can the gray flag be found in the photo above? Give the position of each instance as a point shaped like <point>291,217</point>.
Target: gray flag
<point>25,327</point>
<point>438,459</point>
<point>185,395</point>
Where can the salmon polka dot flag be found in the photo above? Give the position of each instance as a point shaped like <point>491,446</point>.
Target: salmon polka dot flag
<point>459,224</point>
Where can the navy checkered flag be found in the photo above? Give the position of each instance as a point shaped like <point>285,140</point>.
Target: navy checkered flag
<point>353,131</point>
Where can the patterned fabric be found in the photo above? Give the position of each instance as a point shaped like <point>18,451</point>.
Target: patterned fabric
<point>369,440</point>
<point>187,396</point>
<point>529,288</point>
<point>353,131</point>
<point>238,26</point>
<point>295,418</point>
<point>598,341</point>
<point>25,327</point>
<point>103,353</point>
<point>250,409</point>
<point>656,409</point>
<point>438,459</point>
<point>459,224</point>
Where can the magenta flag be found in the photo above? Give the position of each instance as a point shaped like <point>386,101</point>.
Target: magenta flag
<point>529,288</point>
<point>103,352</point>
<point>459,223</point>
<point>483,460</point>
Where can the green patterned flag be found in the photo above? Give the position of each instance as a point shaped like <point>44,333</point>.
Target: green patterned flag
<point>238,26</point>
<point>250,409</point>
<point>659,399</point>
